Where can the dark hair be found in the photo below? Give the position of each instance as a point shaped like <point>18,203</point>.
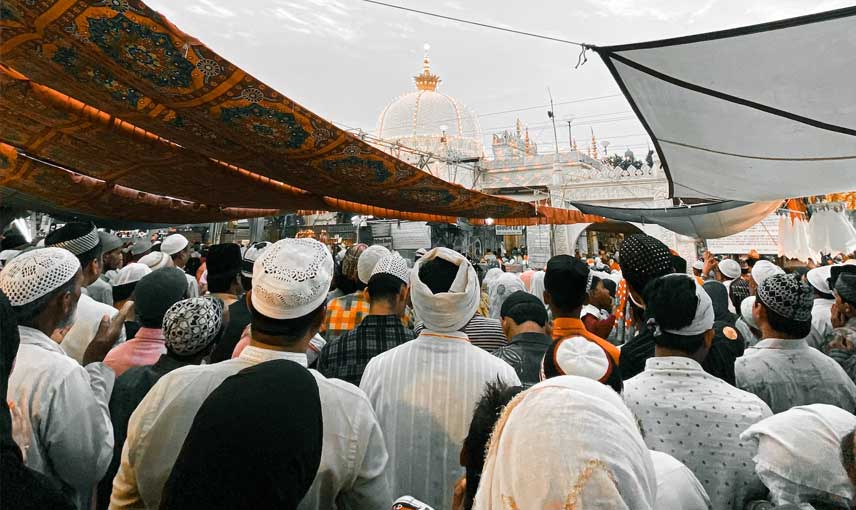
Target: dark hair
<point>438,274</point>
<point>610,286</point>
<point>495,397</point>
<point>291,330</point>
<point>246,282</point>
<point>738,291</point>
<point>525,312</point>
<point>192,266</point>
<point>847,457</point>
<point>671,301</point>
<point>220,282</point>
<point>679,263</point>
<point>384,287</point>
<point>28,312</point>
<point>565,279</point>
<point>792,328</point>
<point>74,230</point>
<point>594,281</point>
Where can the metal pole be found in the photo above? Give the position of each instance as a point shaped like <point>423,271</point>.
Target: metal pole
<point>570,138</point>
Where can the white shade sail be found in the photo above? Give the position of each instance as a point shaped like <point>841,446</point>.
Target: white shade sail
<point>756,113</point>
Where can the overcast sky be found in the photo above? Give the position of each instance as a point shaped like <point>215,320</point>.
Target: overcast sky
<point>346,59</point>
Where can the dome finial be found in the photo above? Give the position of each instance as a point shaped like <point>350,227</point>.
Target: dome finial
<point>426,80</point>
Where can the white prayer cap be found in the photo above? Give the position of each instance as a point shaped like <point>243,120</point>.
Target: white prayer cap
<point>746,307</point>
<point>799,457</point>
<point>698,265</point>
<point>819,278</point>
<point>156,260</point>
<point>730,268</point>
<point>7,255</point>
<point>394,265</point>
<point>37,273</point>
<point>250,256</point>
<point>131,273</point>
<point>174,244</point>
<point>291,278</point>
<point>367,261</point>
<point>447,311</point>
<point>764,269</point>
<point>579,356</point>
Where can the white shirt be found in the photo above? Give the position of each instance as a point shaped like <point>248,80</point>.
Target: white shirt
<point>821,322</point>
<point>697,418</point>
<point>788,373</point>
<point>192,286</point>
<point>101,291</point>
<point>424,393</point>
<point>86,322</point>
<point>66,410</point>
<point>677,486</point>
<point>353,457</point>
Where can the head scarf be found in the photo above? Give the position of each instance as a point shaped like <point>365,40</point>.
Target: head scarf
<point>798,454</point>
<point>275,409</point>
<point>702,320</point>
<point>738,291</point>
<point>349,263</point>
<point>504,286</point>
<point>537,286</point>
<point>719,298</point>
<point>447,311</point>
<point>644,258</point>
<point>786,295</point>
<point>586,452</point>
<point>192,325</point>
<point>492,275</point>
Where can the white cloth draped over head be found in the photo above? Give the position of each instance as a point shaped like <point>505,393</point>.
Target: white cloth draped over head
<point>536,288</point>
<point>447,311</point>
<point>798,454</point>
<point>504,286</point>
<point>586,452</point>
<point>704,315</point>
<point>490,277</point>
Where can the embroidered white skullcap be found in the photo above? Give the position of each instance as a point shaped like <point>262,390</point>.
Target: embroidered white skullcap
<point>174,244</point>
<point>698,265</point>
<point>579,356</point>
<point>730,268</point>
<point>291,278</point>
<point>36,273</point>
<point>764,269</point>
<point>368,260</point>
<point>746,307</point>
<point>7,255</point>
<point>156,260</point>
<point>818,278</point>
<point>394,265</point>
<point>250,256</point>
<point>133,272</point>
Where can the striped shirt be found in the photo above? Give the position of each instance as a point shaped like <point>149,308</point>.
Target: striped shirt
<point>482,331</point>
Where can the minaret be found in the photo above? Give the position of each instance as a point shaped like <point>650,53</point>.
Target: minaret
<point>594,145</point>
<point>426,80</point>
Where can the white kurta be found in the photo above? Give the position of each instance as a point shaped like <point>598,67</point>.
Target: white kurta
<point>697,418</point>
<point>66,408</point>
<point>677,486</point>
<point>86,322</point>
<point>788,373</point>
<point>821,322</point>
<point>424,393</point>
<point>192,286</point>
<point>353,458</point>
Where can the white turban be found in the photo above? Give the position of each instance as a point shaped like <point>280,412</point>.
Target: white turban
<point>447,311</point>
<point>368,260</point>
<point>584,451</point>
<point>764,269</point>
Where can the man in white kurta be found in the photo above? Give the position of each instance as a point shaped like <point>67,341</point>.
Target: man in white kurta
<point>354,457</point>
<point>782,369</point>
<point>424,391</point>
<point>821,310</point>
<point>65,406</point>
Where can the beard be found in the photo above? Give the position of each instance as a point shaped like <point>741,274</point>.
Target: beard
<point>68,320</point>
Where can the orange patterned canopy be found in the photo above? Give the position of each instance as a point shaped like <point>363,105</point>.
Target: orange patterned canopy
<point>111,111</point>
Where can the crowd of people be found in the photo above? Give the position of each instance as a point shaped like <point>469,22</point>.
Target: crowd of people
<point>165,376</point>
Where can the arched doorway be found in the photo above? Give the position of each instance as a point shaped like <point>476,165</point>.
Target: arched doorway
<point>606,237</point>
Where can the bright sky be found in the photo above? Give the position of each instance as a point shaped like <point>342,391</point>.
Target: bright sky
<point>346,59</point>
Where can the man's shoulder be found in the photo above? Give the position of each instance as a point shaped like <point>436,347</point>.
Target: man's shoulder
<point>31,358</point>
<point>338,392</point>
<point>92,308</point>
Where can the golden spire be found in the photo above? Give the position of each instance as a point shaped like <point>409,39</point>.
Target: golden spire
<point>426,80</point>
